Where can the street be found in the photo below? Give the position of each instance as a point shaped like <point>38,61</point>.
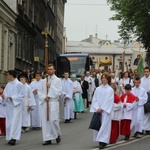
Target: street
<point>75,136</point>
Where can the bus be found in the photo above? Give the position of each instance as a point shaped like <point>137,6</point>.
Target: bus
<point>74,63</point>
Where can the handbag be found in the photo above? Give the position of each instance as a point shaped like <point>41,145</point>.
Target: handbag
<point>95,123</point>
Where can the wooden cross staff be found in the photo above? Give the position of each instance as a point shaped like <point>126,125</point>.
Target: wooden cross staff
<point>46,33</point>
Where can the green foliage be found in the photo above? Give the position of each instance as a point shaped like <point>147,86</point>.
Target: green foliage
<point>134,16</point>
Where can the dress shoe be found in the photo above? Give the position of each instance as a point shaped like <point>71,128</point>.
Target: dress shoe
<point>47,142</point>
<point>12,142</point>
<point>67,120</point>
<point>102,145</point>
<point>58,140</point>
<point>126,138</point>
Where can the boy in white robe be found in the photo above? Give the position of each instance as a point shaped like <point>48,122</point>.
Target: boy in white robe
<point>50,107</point>
<point>28,104</point>
<point>127,100</point>
<point>13,95</point>
<point>102,102</point>
<point>138,110</point>
<point>67,94</point>
<point>36,121</point>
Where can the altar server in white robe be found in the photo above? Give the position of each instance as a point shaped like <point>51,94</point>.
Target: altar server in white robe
<point>102,102</point>
<point>138,110</point>
<point>145,83</point>
<point>28,104</point>
<point>13,96</point>
<point>35,85</point>
<point>50,126</point>
<point>67,97</point>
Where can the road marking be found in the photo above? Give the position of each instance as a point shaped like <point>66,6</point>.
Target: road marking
<point>122,143</point>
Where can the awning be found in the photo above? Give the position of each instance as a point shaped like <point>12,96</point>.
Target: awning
<point>106,62</point>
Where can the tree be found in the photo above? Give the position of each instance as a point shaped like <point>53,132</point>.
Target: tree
<point>134,16</point>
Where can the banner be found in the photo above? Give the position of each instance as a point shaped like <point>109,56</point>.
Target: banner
<point>137,61</point>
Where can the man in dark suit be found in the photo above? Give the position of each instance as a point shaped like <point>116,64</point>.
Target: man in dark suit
<point>85,86</point>
<point>96,81</point>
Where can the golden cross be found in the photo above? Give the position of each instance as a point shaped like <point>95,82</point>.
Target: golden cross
<point>46,33</point>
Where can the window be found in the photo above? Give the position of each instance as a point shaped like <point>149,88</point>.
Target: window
<point>120,65</point>
<point>5,49</point>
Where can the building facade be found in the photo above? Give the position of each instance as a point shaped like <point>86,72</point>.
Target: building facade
<point>104,53</point>
<point>31,18</point>
<point>59,28</point>
<point>8,34</point>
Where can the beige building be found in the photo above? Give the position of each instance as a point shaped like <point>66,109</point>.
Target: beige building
<point>104,53</point>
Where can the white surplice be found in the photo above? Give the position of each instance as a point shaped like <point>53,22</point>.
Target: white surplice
<point>14,89</point>
<point>138,110</point>
<point>67,98</point>
<point>51,128</point>
<point>124,81</point>
<point>117,111</point>
<point>2,108</point>
<point>103,98</point>
<point>28,101</point>
<point>145,83</point>
<point>36,120</point>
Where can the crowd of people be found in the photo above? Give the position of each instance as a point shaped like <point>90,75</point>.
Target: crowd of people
<point>126,111</point>
<point>30,100</point>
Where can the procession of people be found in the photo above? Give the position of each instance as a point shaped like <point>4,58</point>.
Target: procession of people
<point>33,101</point>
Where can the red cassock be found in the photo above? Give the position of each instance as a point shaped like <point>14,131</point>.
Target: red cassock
<point>2,126</point>
<point>125,123</point>
<point>115,124</point>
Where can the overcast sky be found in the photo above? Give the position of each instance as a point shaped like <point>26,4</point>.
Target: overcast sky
<point>84,20</point>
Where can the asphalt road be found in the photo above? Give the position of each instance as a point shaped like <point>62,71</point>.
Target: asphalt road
<point>75,136</point>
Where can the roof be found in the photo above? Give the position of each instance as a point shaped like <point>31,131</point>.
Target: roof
<point>87,47</point>
<point>74,54</point>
